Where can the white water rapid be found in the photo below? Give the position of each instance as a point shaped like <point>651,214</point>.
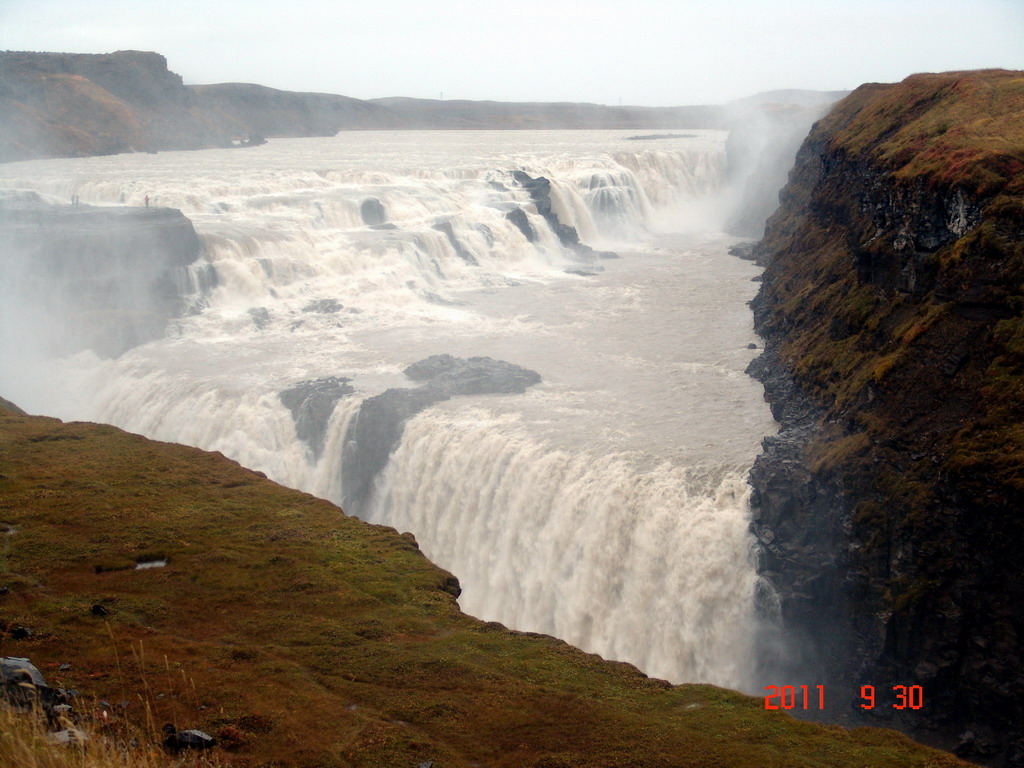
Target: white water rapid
<point>606,505</point>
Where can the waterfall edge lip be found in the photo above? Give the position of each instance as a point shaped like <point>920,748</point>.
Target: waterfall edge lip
<point>552,591</point>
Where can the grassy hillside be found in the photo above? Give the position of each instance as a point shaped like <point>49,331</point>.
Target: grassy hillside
<point>26,742</point>
<point>952,130</point>
<point>305,637</point>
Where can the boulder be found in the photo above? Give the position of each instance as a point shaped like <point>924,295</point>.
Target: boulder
<point>23,685</point>
<point>522,222</point>
<point>373,212</point>
<point>67,737</point>
<point>323,306</point>
<point>177,741</point>
<point>260,317</point>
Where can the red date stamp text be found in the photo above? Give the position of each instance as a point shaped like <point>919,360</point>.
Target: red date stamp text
<point>807,697</point>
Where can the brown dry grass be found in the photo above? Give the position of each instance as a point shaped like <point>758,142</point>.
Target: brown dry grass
<point>26,742</point>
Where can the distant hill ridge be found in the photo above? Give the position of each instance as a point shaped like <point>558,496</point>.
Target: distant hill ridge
<point>71,104</point>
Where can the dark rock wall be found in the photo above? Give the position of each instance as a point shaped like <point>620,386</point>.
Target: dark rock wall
<point>311,404</point>
<point>888,510</point>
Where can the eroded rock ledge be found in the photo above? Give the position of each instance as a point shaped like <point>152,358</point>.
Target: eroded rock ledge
<point>104,278</point>
<point>377,429</point>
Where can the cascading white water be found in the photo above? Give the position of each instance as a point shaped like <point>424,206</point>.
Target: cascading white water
<point>649,565</point>
<point>606,505</point>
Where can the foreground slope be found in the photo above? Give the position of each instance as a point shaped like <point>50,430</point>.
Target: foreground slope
<point>306,637</point>
<point>890,508</point>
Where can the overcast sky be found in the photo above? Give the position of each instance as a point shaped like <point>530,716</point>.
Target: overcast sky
<point>647,52</point>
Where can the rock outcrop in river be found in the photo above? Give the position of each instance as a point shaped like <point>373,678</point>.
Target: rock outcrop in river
<point>377,428</point>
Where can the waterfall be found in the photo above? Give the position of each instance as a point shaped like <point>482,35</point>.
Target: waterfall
<point>646,566</point>
<point>592,507</point>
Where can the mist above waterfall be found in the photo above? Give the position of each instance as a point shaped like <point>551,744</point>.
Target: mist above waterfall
<point>761,148</point>
<point>604,501</point>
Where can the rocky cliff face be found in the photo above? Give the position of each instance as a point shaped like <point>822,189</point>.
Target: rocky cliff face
<point>889,507</point>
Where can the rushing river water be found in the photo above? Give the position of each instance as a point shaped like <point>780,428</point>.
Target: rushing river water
<point>606,505</point>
